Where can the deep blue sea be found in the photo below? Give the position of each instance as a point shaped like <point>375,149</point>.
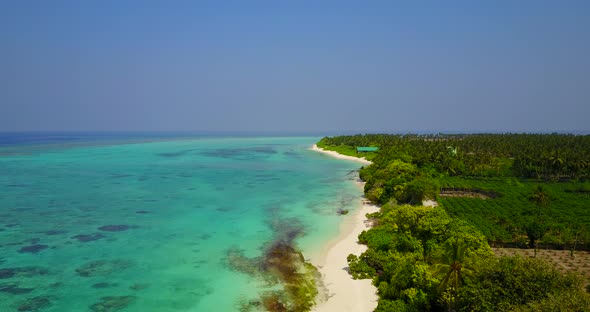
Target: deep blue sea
<point>144,222</point>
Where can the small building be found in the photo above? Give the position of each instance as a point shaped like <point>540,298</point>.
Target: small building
<point>366,149</point>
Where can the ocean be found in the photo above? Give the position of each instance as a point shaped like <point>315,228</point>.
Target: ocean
<point>95,222</point>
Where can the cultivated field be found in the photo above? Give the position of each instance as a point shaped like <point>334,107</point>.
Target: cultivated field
<point>562,260</point>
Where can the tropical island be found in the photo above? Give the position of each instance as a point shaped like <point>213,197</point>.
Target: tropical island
<point>511,231</point>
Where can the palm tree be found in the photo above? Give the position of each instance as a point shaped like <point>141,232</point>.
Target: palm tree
<point>540,198</point>
<point>452,151</point>
<point>452,270</point>
<point>536,229</point>
<point>557,163</point>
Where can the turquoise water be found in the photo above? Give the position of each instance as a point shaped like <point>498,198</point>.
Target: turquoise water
<point>151,223</point>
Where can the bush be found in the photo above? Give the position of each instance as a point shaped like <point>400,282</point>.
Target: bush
<point>513,282</point>
<point>385,305</point>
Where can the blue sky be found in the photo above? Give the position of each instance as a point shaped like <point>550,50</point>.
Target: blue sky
<point>360,66</point>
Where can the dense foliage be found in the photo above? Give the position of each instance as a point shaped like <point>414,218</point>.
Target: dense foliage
<point>421,259</point>
<point>542,156</point>
<point>506,167</point>
<point>519,190</point>
<point>515,283</point>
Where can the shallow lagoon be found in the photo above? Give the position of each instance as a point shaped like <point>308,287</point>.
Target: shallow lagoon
<point>147,226</point>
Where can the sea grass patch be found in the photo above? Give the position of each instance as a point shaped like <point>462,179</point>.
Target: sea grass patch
<point>281,264</point>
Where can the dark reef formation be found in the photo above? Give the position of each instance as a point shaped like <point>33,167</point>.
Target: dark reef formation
<point>112,303</point>
<point>28,271</point>
<point>34,304</point>
<point>54,232</point>
<point>117,228</point>
<point>104,285</point>
<point>84,238</point>
<point>14,289</point>
<point>102,267</point>
<point>33,248</point>
<point>138,286</point>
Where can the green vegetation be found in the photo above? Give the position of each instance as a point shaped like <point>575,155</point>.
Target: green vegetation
<point>522,284</point>
<point>344,149</point>
<point>495,186</point>
<point>539,156</point>
<point>504,220</point>
<point>422,259</point>
<point>515,190</point>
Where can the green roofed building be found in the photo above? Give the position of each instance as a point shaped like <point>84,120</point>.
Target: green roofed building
<point>365,149</point>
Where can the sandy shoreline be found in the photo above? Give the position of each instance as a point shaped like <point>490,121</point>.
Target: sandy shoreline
<point>343,292</point>
<point>340,156</point>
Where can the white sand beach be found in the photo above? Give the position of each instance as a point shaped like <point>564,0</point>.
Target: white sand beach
<point>343,292</point>
<point>340,156</point>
